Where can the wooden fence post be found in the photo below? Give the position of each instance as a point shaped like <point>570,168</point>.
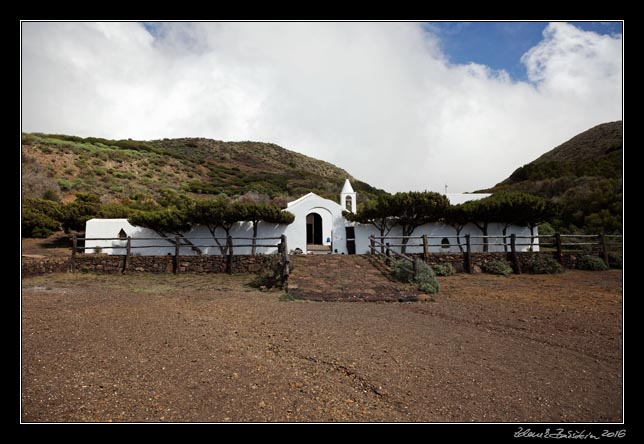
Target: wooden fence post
<point>602,242</point>
<point>513,252</point>
<point>229,258</point>
<point>283,249</point>
<point>468,254</point>
<point>128,250</point>
<point>415,267</point>
<point>177,245</point>
<point>74,247</point>
<point>388,254</point>
<point>372,243</point>
<point>559,248</point>
<point>425,248</point>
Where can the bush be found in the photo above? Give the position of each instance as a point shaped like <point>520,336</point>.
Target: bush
<point>444,269</point>
<point>65,184</point>
<point>591,263</point>
<point>425,280</point>
<point>498,266</point>
<point>539,264</point>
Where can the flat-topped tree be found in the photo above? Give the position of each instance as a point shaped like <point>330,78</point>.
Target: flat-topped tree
<point>377,212</point>
<point>213,213</point>
<point>414,208</point>
<point>258,212</point>
<point>166,222</point>
<point>458,217</point>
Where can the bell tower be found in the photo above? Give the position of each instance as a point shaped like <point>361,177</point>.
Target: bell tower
<point>348,197</point>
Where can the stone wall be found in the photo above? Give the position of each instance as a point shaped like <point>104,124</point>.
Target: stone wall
<point>32,266</point>
<point>479,259</point>
<point>110,264</point>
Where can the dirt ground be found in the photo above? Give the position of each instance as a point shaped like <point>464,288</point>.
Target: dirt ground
<point>209,348</point>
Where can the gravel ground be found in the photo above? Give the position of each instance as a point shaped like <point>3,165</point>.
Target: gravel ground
<point>146,347</point>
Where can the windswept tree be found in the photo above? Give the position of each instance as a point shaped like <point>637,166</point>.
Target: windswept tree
<point>481,213</point>
<point>532,211</point>
<point>413,209</point>
<point>258,212</point>
<point>213,213</point>
<point>377,212</point>
<point>458,217</point>
<point>507,209</point>
<point>166,222</point>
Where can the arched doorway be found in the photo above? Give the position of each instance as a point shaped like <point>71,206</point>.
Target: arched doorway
<point>313,229</point>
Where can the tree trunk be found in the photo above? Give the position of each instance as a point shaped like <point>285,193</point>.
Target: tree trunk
<point>255,223</point>
<point>458,229</point>
<point>213,231</point>
<point>531,236</point>
<point>505,241</point>
<point>483,229</point>
<point>185,241</point>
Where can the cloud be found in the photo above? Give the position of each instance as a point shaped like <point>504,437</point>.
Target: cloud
<point>378,99</point>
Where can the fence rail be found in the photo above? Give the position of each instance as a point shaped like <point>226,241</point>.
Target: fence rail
<point>602,243</point>
<point>179,242</point>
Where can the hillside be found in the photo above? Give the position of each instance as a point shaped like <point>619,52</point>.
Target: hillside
<point>583,176</point>
<point>59,166</point>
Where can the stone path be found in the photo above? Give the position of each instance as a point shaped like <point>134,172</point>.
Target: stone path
<point>351,278</point>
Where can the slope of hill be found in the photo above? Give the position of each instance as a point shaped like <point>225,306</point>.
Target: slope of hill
<point>138,170</point>
<point>583,176</point>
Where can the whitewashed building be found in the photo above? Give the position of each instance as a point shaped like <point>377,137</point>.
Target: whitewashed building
<point>319,227</point>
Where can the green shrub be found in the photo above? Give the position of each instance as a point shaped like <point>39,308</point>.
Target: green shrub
<point>540,264</point>
<point>498,266</point>
<point>65,184</point>
<point>425,279</point>
<point>591,263</point>
<point>446,269</point>
<point>38,224</point>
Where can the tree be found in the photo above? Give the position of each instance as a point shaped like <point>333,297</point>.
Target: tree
<point>481,212</point>
<point>413,209</point>
<point>509,208</point>
<point>531,211</point>
<point>216,213</point>
<point>458,217</point>
<point>259,212</point>
<point>164,222</point>
<point>377,212</point>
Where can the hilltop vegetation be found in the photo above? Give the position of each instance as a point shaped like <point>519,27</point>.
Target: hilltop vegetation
<point>121,170</point>
<point>582,176</point>
<point>67,180</point>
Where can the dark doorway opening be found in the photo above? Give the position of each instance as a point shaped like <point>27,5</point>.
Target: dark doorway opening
<point>351,240</point>
<point>314,229</point>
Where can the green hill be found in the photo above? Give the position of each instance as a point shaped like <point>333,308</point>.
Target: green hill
<point>60,166</point>
<point>583,176</point>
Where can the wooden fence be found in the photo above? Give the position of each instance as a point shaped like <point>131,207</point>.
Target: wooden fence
<point>559,244</point>
<point>179,242</point>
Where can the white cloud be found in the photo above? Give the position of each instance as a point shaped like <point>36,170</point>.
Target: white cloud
<point>378,99</point>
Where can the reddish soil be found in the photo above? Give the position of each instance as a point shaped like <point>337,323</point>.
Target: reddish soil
<point>209,348</point>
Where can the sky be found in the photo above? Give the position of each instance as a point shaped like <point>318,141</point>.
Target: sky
<point>400,105</point>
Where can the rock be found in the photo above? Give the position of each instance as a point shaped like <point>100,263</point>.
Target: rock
<point>476,269</point>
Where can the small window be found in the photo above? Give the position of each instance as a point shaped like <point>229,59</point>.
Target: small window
<point>122,234</point>
<point>445,243</point>
<point>348,203</point>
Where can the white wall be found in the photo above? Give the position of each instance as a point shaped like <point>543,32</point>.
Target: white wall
<point>333,226</point>
<point>200,235</point>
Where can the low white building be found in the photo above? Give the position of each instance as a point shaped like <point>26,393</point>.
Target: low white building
<point>319,227</point>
